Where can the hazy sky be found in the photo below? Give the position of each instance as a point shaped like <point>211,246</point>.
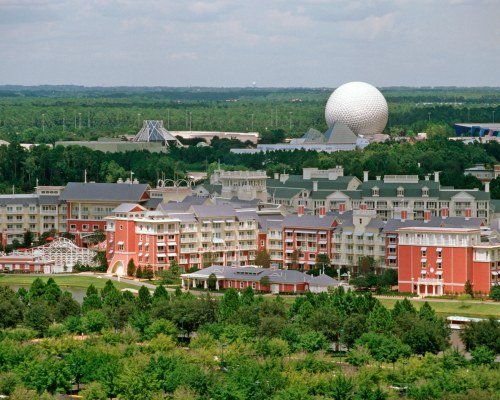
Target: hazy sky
<point>312,43</point>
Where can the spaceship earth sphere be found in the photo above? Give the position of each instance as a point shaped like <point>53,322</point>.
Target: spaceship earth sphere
<point>360,106</point>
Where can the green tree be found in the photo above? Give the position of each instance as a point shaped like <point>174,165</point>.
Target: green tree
<point>229,304</point>
<point>482,333</point>
<point>265,282</point>
<point>468,288</point>
<point>160,294</point>
<point>495,293</point>
<point>131,268</point>
<point>94,391</point>
<point>94,321</point>
<point>262,259</point>
<point>28,238</point>
<point>11,308</point>
<point>38,317</point>
<point>48,374</point>
<point>212,281</point>
<point>144,299</point>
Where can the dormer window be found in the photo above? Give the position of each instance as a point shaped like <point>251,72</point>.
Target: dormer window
<point>401,192</point>
<point>425,192</point>
<point>375,191</point>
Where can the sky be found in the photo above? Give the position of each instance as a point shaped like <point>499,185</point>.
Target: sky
<point>240,43</point>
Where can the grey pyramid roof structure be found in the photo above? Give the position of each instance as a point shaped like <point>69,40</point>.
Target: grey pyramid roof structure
<point>340,133</point>
<point>153,131</point>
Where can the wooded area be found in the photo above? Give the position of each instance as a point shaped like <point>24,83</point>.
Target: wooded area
<point>47,114</point>
<point>338,345</point>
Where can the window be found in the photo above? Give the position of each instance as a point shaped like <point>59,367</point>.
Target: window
<point>439,254</point>
<point>262,243</point>
<point>121,227</point>
<point>439,265</point>
<point>400,192</point>
<point>424,265</point>
<point>85,227</point>
<point>424,252</point>
<point>120,247</point>
<point>242,285</point>
<point>254,285</point>
<point>72,227</point>
<point>95,227</point>
<point>229,284</point>
<point>375,192</point>
<point>425,192</point>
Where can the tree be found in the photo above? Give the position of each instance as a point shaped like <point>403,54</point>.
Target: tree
<point>229,304</point>
<point>38,317</point>
<point>482,333</point>
<point>147,272</point>
<point>131,267</point>
<point>28,238</point>
<point>495,293</point>
<point>323,261</point>
<point>468,288</point>
<point>160,294</point>
<point>262,259</point>
<point>265,282</point>
<point>144,298</point>
<point>94,321</point>
<point>212,281</point>
<point>94,391</point>
<point>11,308</point>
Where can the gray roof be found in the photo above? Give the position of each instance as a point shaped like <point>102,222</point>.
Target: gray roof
<point>308,221</point>
<point>340,133</point>
<point>393,225</point>
<point>127,207</point>
<point>251,274</point>
<point>124,192</point>
<point>323,280</point>
<point>213,211</point>
<point>153,203</point>
<point>18,199</point>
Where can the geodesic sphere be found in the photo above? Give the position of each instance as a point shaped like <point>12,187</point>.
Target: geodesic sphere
<point>360,106</point>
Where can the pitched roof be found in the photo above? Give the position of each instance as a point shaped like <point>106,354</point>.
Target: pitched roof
<point>308,221</point>
<point>123,192</point>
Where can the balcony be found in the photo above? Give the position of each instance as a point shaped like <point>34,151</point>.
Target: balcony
<point>431,281</point>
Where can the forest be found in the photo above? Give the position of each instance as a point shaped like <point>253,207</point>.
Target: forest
<point>45,114</point>
<point>174,345</point>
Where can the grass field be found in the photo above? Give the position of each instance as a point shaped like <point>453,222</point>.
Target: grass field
<point>480,309</point>
<point>66,281</point>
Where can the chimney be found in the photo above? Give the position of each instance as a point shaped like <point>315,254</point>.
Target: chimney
<point>341,208</point>
<point>365,176</point>
<point>276,175</point>
<point>378,177</point>
<point>315,186</point>
<point>300,211</point>
<point>468,214</point>
<point>322,211</point>
<point>362,206</point>
<point>445,212</point>
<point>436,176</point>
<point>427,216</point>
<point>404,215</point>
<point>427,177</point>
<point>487,187</point>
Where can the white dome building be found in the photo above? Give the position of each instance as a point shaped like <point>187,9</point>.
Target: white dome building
<point>358,105</point>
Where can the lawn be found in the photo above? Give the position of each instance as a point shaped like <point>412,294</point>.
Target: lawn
<point>480,309</point>
<point>66,281</point>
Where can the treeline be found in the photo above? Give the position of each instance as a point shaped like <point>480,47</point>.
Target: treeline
<point>21,169</point>
<point>338,345</point>
<point>48,114</point>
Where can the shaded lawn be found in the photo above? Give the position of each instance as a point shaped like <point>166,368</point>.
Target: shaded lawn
<point>75,281</point>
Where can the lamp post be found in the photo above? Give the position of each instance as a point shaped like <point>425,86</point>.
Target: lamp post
<point>80,121</point>
<point>138,120</point>
<point>43,123</point>
<point>404,378</point>
<point>290,113</point>
<point>222,366</point>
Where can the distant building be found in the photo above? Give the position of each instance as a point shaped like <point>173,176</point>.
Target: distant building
<point>209,135</point>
